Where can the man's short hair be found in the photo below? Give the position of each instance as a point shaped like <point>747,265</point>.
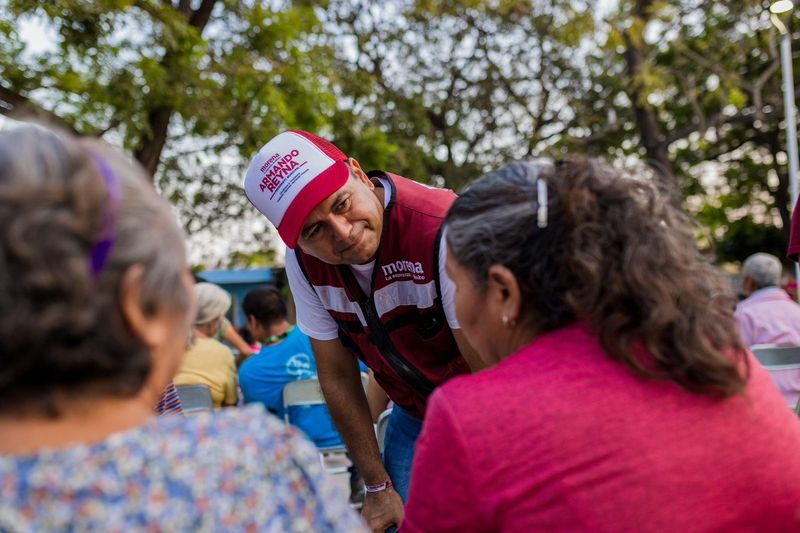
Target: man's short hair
<point>266,304</point>
<point>764,269</point>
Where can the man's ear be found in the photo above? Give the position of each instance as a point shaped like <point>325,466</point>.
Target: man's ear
<point>747,285</point>
<point>503,292</point>
<point>360,174</point>
<point>151,331</point>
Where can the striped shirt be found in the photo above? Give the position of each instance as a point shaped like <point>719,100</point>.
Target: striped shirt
<point>169,402</point>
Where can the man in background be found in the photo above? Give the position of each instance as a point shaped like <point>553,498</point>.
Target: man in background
<point>285,356</point>
<point>769,316</point>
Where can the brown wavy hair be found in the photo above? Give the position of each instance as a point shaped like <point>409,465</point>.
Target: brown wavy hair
<point>62,331</point>
<point>615,254</point>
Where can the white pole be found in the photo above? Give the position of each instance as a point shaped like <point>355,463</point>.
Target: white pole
<point>791,127</point>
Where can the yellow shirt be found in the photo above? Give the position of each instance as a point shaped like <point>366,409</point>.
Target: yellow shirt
<point>209,362</point>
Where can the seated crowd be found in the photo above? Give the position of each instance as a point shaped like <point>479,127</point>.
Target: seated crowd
<point>619,392</point>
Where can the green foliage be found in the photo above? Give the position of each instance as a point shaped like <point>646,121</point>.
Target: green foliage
<point>225,85</point>
<point>437,90</point>
<point>712,80</point>
<point>743,237</point>
<point>258,259</point>
<point>457,86</point>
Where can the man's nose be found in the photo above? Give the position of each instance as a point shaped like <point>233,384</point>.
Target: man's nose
<point>341,228</point>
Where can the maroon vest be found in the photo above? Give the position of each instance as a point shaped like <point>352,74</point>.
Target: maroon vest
<point>399,330</point>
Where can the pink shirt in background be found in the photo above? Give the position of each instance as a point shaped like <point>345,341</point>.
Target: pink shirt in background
<point>560,438</point>
<point>769,316</point>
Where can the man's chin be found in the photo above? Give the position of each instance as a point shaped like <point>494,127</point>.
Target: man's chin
<point>360,255</point>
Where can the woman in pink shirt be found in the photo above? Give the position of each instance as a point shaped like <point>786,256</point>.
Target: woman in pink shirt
<point>621,398</point>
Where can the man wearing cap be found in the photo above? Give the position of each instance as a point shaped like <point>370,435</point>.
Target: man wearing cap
<point>366,268</point>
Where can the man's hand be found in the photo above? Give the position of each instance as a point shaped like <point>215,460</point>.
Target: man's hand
<point>382,510</point>
<point>344,393</point>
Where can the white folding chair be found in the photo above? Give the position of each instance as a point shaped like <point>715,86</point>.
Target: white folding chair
<point>307,392</point>
<point>779,361</point>
<point>380,428</point>
<point>777,357</point>
<point>195,398</point>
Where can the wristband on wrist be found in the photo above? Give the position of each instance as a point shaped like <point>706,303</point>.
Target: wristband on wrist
<point>379,487</point>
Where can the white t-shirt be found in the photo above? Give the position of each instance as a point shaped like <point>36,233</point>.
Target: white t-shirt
<point>314,320</point>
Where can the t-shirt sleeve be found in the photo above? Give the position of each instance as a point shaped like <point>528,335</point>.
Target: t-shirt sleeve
<point>448,287</point>
<point>312,318</point>
<point>442,495</point>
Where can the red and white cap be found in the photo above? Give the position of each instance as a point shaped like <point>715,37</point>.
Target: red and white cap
<point>290,176</point>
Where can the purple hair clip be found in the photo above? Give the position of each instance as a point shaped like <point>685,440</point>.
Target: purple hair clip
<point>102,248</point>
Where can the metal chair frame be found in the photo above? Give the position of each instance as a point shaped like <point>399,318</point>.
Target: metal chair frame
<point>380,428</point>
<point>778,358</point>
<point>195,398</point>
<point>306,392</point>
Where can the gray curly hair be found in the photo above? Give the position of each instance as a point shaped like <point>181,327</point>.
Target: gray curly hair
<point>63,332</point>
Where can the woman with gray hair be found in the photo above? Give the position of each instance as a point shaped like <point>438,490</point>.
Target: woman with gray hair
<point>95,307</point>
<point>621,398</point>
<point>208,361</point>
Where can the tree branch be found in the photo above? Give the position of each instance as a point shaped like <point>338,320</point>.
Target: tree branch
<point>202,14</point>
<point>20,107</point>
<point>609,127</point>
<point>185,7</point>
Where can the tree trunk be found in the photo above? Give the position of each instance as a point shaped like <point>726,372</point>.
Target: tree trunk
<point>148,153</point>
<point>781,194</point>
<point>650,135</point>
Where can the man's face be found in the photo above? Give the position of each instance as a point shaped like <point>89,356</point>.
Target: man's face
<point>345,229</point>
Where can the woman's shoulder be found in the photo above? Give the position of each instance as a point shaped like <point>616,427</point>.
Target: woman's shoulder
<point>537,366</point>
<point>237,467</point>
<point>248,430</point>
<point>206,440</point>
<point>213,345</point>
<point>209,349</point>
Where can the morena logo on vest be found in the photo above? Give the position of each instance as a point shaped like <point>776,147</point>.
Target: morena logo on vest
<point>276,169</point>
<point>402,269</point>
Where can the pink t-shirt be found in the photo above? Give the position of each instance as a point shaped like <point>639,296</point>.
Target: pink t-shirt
<point>769,316</point>
<point>560,438</point>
